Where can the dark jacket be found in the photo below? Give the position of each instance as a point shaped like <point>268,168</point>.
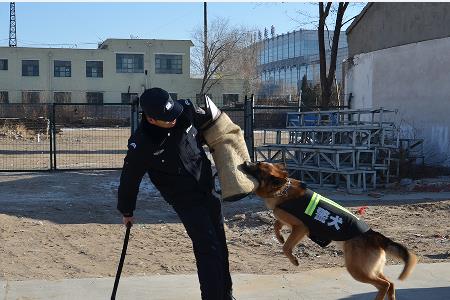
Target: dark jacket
<point>174,159</point>
<point>325,219</point>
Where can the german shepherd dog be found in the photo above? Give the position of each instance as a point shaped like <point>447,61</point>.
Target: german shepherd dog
<point>364,254</point>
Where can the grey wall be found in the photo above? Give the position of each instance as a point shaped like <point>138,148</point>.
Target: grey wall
<point>385,25</point>
<point>414,79</point>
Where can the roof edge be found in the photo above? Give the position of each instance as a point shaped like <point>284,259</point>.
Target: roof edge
<point>359,17</point>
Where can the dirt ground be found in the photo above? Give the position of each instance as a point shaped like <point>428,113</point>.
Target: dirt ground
<point>65,225</point>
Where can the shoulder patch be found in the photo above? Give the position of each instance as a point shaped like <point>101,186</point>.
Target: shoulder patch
<point>132,146</point>
<point>187,102</point>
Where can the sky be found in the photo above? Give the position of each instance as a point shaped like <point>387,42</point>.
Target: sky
<point>83,25</point>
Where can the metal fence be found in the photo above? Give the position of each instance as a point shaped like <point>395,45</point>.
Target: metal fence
<point>88,136</point>
<point>69,136</point>
<point>25,143</point>
<point>41,137</point>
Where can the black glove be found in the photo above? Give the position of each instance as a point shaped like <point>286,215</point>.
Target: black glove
<point>207,113</point>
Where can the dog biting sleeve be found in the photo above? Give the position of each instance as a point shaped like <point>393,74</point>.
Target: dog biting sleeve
<point>227,145</point>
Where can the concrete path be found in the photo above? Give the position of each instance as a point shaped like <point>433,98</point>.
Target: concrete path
<point>428,281</point>
<point>410,197</point>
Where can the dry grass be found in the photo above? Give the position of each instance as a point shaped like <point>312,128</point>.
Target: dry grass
<point>16,131</point>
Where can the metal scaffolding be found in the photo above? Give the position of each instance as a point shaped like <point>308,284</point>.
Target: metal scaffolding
<point>328,148</point>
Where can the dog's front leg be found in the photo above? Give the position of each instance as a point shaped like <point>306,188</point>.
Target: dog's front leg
<point>299,231</point>
<point>277,227</point>
<point>297,234</point>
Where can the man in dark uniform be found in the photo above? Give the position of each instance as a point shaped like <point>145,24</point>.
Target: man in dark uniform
<point>168,146</point>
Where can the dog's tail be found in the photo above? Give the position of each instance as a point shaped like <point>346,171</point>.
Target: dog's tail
<point>399,251</point>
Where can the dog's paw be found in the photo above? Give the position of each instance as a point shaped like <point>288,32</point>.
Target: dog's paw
<point>294,261</point>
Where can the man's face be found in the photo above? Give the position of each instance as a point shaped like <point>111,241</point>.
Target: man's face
<point>162,124</point>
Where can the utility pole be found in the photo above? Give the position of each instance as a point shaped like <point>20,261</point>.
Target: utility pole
<point>12,25</point>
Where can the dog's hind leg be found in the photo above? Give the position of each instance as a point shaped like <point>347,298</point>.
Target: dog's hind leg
<point>277,227</point>
<point>391,291</point>
<point>381,284</point>
<point>365,264</point>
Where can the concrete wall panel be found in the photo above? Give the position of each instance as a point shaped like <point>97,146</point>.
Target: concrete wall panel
<point>415,79</point>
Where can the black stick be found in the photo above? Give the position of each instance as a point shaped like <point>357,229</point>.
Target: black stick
<point>122,259</point>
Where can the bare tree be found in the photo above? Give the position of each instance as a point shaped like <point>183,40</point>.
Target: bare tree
<point>327,78</point>
<point>329,16</point>
<point>243,63</point>
<point>222,45</point>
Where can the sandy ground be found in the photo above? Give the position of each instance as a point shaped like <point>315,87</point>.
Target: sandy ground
<point>65,225</point>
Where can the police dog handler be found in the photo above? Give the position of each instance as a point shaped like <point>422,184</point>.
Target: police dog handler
<point>168,146</point>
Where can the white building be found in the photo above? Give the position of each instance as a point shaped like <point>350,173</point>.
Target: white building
<point>399,59</point>
<point>113,73</point>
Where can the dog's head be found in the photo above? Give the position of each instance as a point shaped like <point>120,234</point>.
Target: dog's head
<point>271,177</point>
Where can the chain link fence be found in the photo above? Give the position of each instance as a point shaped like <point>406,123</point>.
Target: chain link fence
<point>25,143</point>
<point>71,136</point>
<point>88,136</point>
<point>41,137</point>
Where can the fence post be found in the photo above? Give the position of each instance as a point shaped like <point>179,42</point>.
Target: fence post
<point>53,137</point>
<point>51,118</point>
<point>245,121</point>
<point>248,126</point>
<point>134,115</point>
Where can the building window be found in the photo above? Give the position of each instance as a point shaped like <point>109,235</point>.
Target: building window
<point>230,99</point>
<point>94,69</point>
<point>4,97</point>
<point>94,97</point>
<point>168,64</point>
<point>30,68</point>
<point>174,96</point>
<point>62,68</point>
<point>128,97</point>
<point>3,64</point>
<point>130,63</point>
<point>30,97</point>
<point>62,97</point>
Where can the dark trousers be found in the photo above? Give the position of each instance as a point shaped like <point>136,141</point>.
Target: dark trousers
<point>204,225</point>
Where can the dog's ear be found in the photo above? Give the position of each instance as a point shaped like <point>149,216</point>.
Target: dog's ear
<point>279,171</point>
<point>303,185</point>
<point>280,166</point>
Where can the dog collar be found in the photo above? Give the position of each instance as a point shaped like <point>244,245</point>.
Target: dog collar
<point>284,192</point>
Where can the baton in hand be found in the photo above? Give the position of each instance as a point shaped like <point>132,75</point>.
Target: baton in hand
<point>122,259</point>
